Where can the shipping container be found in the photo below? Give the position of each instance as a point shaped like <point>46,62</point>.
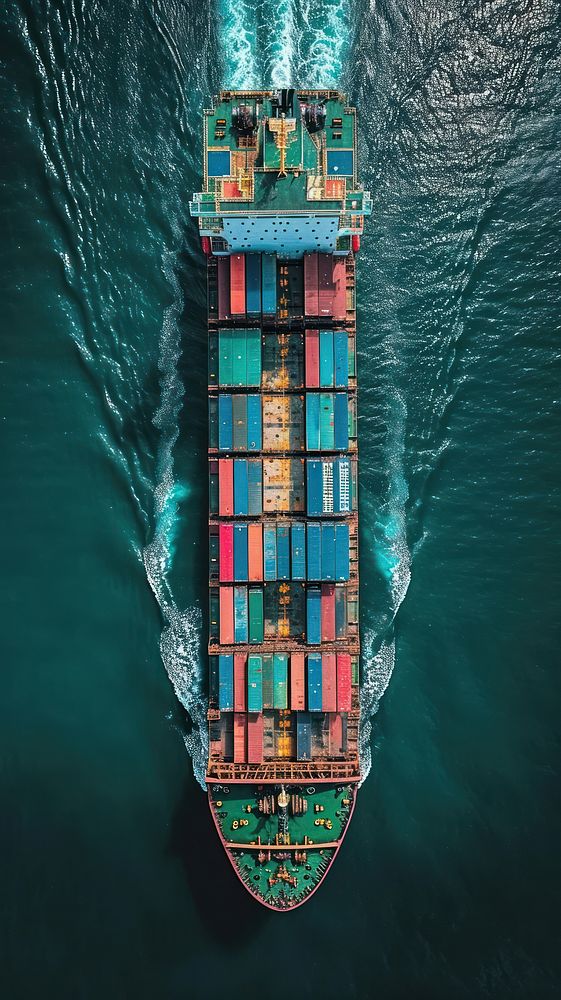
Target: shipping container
<point>270,551</point>
<point>314,685</point>
<point>312,422</point>
<point>214,555</point>
<point>297,685</point>
<point>254,363</point>
<point>280,680</point>
<point>255,552</point>
<point>340,611</point>
<point>342,552</point>
<point>341,421</point>
<point>311,341</point>
<point>226,682</point>
<point>328,551</point>
<point>344,695</point>
<point>314,487</point>
<point>240,614</point>
<point>256,624</point>
<point>255,487</point>
<point>313,547</point>
<point>253,283</point>
<point>328,612</point>
<point>341,478</point>
<point>269,284</point>
<point>268,681</point>
<point>223,278</point>
<point>254,435</point>
<point>326,360</point>
<point>225,487</point>
<point>240,751</point>
<point>313,616</point>
<point>226,549</point>
<point>328,682</point>
<point>311,286</point>
<point>254,739</point>
<point>240,487</point>
<point>326,421</point>
<point>326,286</point>
<point>298,550</point>
<point>336,747</point>
<point>239,422</point>
<point>237,284</point>
<point>254,683</point>
<point>303,736</point>
<point>283,552</point>
<point>226,616</point>
<point>341,357</point>
<point>240,553</point>
<point>239,357</point>
<point>225,422</point>
<point>239,682</point>
<point>225,357</point>
<point>339,288</point>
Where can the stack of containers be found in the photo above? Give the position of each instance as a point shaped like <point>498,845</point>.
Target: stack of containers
<point>240,487</point>
<point>239,422</point>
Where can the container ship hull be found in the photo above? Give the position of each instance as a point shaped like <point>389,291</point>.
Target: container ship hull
<point>280,217</point>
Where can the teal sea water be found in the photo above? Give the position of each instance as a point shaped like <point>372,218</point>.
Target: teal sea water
<point>113,882</point>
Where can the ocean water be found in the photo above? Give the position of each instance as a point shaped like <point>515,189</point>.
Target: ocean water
<point>113,882</point>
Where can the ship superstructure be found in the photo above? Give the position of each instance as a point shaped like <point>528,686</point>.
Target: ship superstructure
<point>280,217</point>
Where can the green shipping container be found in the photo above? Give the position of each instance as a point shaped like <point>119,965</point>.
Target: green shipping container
<point>268,680</point>
<point>239,420</point>
<point>254,357</point>
<point>225,357</point>
<point>280,680</point>
<point>255,615</point>
<point>239,358</point>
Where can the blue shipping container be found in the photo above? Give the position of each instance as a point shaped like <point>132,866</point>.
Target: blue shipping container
<point>312,421</point>
<point>313,545</point>
<point>253,283</point>
<point>241,631</point>
<point>226,682</point>
<point>314,682</point>
<point>269,284</point>
<point>283,552</point>
<point>314,488</point>
<point>270,551</point>
<point>225,422</point>
<point>328,552</point>
<point>240,552</point>
<point>341,416</point>
<point>254,423</point>
<point>303,736</point>
<point>326,367</point>
<point>341,353</point>
<point>341,486</point>
<point>298,550</point>
<point>342,555</point>
<point>254,487</point>
<point>240,486</point>
<point>313,616</point>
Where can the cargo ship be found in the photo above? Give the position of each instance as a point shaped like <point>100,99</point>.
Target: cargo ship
<point>280,218</point>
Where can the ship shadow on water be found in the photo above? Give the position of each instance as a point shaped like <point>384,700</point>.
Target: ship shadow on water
<point>227,910</point>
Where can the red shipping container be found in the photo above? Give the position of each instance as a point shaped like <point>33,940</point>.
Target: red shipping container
<point>328,682</point>
<point>336,734</point>
<point>239,682</point>
<point>340,292</point>
<point>255,552</point>
<point>254,738</point>
<point>344,682</point>
<point>225,487</point>
<point>311,303</point>
<point>223,274</point>
<point>237,284</point>
<point>239,738</point>
<point>326,287</point>
<point>311,340</point>
<point>297,685</point>
<point>226,553</point>
<point>226,616</point>
<point>328,612</point>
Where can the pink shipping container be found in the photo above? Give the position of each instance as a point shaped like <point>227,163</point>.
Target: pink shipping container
<point>240,703</point>
<point>311,301</point>
<point>344,682</point>
<point>237,284</point>
<point>328,682</point>
<point>223,276</point>
<point>226,616</point>
<point>297,685</point>
<point>255,552</point>
<point>311,340</point>
<point>340,293</point>
<point>225,487</point>
<point>240,753</point>
<point>226,553</point>
<point>326,287</point>
<point>336,734</point>
<point>328,612</point>
<point>254,738</point>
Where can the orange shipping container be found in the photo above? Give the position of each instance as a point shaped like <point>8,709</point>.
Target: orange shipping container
<point>239,738</point>
<point>255,552</point>
<point>237,284</point>
<point>297,687</point>
<point>225,487</point>
<point>226,615</point>
<point>239,682</point>
<point>344,682</point>
<point>328,683</point>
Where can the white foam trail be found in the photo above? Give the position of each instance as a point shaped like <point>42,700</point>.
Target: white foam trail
<point>325,42</point>
<point>377,669</point>
<point>238,38</point>
<point>282,50</point>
